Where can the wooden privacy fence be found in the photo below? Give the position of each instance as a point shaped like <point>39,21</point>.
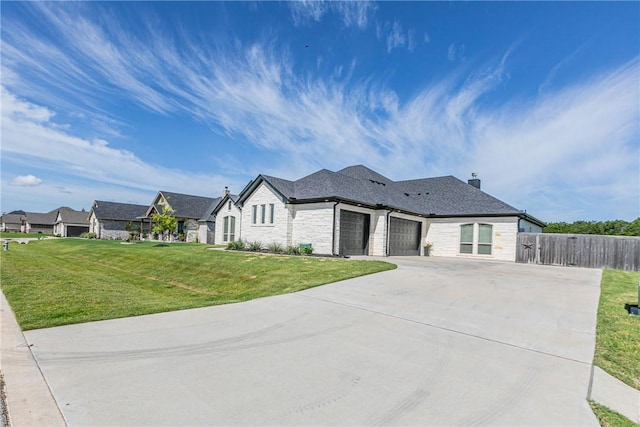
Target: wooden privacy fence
<point>579,250</point>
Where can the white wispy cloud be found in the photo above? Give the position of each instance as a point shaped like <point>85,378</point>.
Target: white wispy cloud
<point>29,140</point>
<point>352,13</point>
<point>529,152</point>
<point>395,37</point>
<point>26,181</point>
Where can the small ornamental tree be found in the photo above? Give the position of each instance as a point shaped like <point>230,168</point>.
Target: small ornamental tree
<point>134,230</point>
<point>164,222</point>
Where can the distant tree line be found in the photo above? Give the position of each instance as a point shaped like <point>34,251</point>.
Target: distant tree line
<point>616,227</point>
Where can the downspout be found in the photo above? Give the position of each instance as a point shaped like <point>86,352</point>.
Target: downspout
<point>333,236</point>
<point>386,246</point>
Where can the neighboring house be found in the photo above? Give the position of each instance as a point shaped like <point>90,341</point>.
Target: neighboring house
<point>357,211</point>
<point>190,212</point>
<point>108,220</point>
<point>71,223</point>
<point>228,219</point>
<point>14,221</point>
<point>36,222</point>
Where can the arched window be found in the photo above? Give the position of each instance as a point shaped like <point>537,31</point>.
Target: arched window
<point>476,239</point>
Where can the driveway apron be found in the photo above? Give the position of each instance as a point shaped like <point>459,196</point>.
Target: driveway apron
<point>435,342</point>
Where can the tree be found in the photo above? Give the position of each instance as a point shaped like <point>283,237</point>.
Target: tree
<point>165,223</point>
<point>133,230</point>
<point>609,228</point>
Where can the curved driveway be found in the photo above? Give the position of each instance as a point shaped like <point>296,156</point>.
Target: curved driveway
<point>435,342</point>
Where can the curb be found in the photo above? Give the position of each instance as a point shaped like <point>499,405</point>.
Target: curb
<point>29,399</point>
<point>614,394</point>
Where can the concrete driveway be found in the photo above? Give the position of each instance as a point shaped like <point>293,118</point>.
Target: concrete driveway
<point>435,342</point>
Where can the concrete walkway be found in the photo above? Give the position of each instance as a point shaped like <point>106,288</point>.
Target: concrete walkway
<point>29,400</point>
<point>436,342</point>
<point>616,395</point>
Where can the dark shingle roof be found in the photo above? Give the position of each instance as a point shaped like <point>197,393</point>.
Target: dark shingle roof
<point>118,211</point>
<point>48,218</point>
<point>71,216</point>
<point>441,196</point>
<point>186,205</point>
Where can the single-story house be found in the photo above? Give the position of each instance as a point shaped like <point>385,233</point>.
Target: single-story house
<point>14,221</point>
<point>36,222</point>
<point>108,220</point>
<point>191,212</point>
<point>357,211</point>
<point>71,223</point>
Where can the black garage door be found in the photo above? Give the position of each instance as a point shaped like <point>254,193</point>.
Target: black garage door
<point>76,230</point>
<point>354,233</point>
<point>404,237</point>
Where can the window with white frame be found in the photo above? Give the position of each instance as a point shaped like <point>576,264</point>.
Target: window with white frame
<point>263,213</point>
<point>254,214</point>
<point>271,212</point>
<point>476,239</point>
<point>229,229</point>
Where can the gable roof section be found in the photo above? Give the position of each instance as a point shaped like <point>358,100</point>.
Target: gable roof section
<point>445,196</point>
<point>71,216</point>
<point>48,218</point>
<point>186,205</point>
<point>118,211</point>
<point>219,204</point>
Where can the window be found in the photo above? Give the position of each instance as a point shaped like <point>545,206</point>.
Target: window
<point>485,232</point>
<point>479,244</point>
<point>263,212</point>
<point>254,214</point>
<point>466,239</point>
<point>229,205</point>
<point>271,211</point>
<point>229,229</point>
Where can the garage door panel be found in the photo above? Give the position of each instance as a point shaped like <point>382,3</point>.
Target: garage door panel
<point>354,233</point>
<point>404,236</point>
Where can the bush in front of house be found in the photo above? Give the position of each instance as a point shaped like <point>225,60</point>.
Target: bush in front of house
<point>87,235</point>
<point>236,245</point>
<point>275,248</point>
<point>255,246</point>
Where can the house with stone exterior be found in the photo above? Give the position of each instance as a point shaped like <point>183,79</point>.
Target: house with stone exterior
<point>357,211</point>
<point>108,220</point>
<point>36,222</point>
<point>70,222</point>
<point>13,221</point>
<point>191,212</point>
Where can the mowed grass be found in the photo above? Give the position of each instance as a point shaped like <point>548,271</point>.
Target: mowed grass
<point>618,333</point>
<point>58,282</point>
<point>14,235</point>
<point>610,418</point>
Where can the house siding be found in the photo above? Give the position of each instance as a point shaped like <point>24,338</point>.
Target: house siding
<point>312,223</point>
<point>278,232</point>
<point>529,227</point>
<point>444,234</point>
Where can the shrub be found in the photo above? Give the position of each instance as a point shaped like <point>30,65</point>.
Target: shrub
<point>306,250</point>
<point>292,250</point>
<point>87,235</point>
<point>236,245</point>
<point>255,246</point>
<point>276,248</point>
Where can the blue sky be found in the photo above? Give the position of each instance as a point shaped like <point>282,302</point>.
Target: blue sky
<point>115,101</point>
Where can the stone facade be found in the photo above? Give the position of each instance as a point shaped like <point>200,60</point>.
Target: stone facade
<point>444,234</point>
<point>275,228</point>
<point>228,209</point>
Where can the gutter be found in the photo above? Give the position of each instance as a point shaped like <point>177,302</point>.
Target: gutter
<point>333,236</point>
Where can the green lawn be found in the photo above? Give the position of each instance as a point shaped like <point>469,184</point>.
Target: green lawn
<point>618,333</point>
<point>12,235</point>
<point>63,281</point>
<point>609,418</point>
